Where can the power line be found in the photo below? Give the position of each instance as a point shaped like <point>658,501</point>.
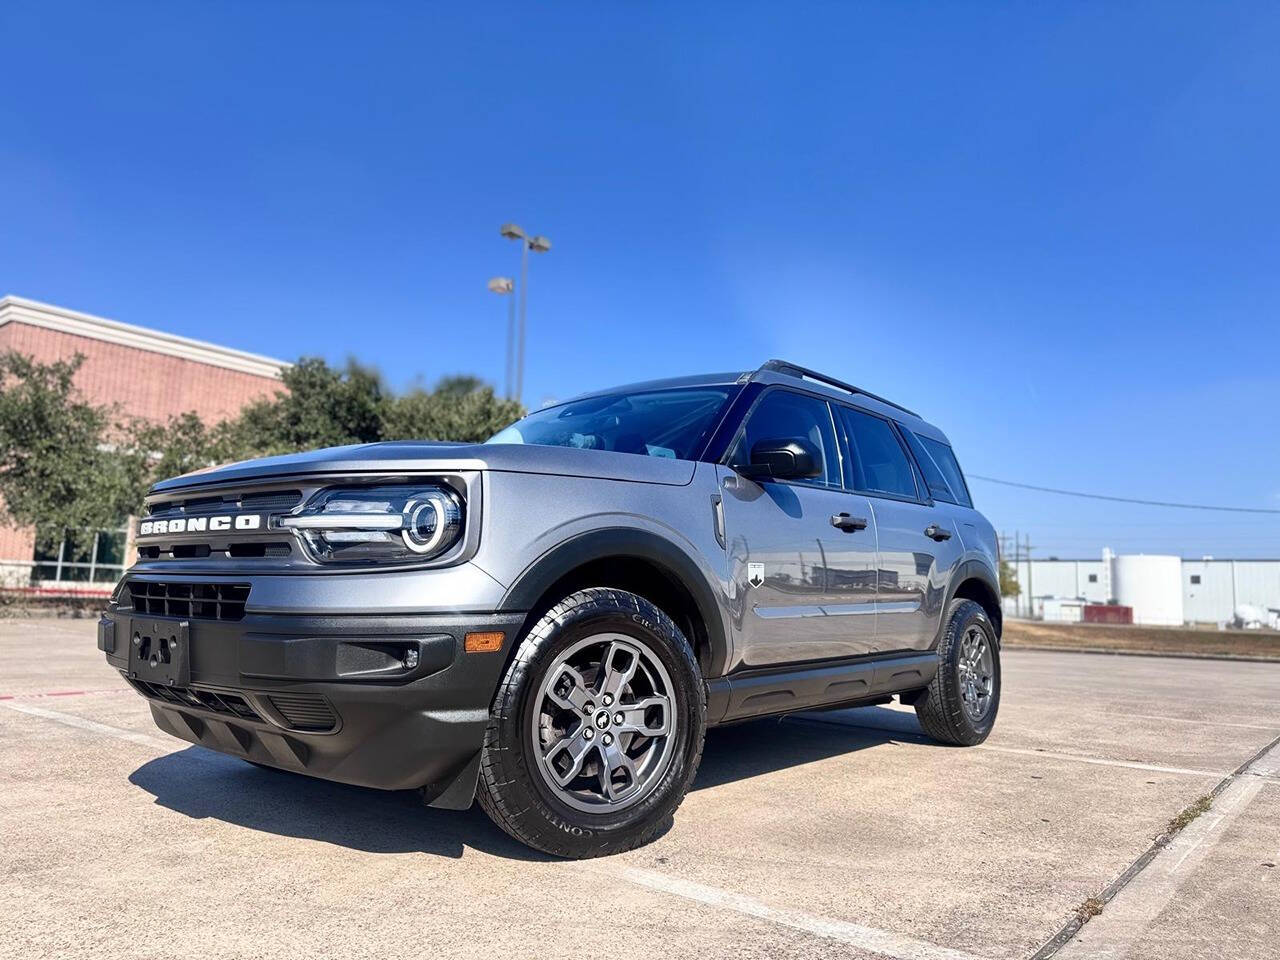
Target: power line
<point>1103,496</point>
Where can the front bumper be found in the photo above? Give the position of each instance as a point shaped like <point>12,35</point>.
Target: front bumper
<point>392,702</point>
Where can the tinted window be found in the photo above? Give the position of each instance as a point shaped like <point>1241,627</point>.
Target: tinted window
<point>782,415</point>
<point>945,458</point>
<point>880,464</point>
<point>941,471</point>
<point>657,423</point>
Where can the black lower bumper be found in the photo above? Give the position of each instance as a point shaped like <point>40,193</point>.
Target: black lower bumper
<point>387,702</point>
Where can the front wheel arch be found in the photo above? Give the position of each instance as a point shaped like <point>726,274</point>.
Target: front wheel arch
<point>637,561</point>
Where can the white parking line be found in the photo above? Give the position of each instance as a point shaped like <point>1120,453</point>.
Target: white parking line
<point>882,942</point>
<point>1103,762</point>
<point>1212,723</point>
<point>92,726</point>
<point>1020,751</point>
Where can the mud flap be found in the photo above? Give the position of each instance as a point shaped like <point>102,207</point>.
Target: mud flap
<point>457,793</point>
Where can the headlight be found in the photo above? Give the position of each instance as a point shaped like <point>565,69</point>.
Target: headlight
<point>394,523</point>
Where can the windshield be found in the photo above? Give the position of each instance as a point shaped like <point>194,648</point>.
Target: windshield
<point>657,423</point>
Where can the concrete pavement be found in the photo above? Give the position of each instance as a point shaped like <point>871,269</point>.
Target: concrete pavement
<point>843,834</point>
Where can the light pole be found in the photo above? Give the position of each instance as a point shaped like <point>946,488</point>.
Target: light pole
<point>537,244</point>
<point>506,286</point>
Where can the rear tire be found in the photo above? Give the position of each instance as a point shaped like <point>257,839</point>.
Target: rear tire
<point>961,703</point>
<point>596,729</point>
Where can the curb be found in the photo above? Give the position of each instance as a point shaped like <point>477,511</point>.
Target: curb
<point>1048,648</point>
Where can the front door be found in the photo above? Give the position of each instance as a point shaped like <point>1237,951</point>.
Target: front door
<point>802,563</point>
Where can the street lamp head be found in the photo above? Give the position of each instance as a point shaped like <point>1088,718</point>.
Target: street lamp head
<point>540,244</point>
<point>502,284</point>
<point>511,231</point>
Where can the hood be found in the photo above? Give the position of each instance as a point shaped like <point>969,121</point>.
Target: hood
<point>426,457</point>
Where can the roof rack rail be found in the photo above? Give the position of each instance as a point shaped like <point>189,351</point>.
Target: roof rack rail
<point>795,370</point>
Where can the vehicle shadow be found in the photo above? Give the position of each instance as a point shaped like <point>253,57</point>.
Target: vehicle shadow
<point>202,784</point>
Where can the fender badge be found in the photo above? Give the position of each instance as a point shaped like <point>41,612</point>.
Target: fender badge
<point>755,574</point>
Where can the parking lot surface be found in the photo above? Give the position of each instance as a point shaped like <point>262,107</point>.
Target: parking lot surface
<point>841,834</point>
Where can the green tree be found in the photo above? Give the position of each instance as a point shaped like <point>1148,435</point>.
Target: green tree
<point>1009,586</point>
<point>68,465</point>
<point>469,415</point>
<point>60,462</point>
<point>320,407</point>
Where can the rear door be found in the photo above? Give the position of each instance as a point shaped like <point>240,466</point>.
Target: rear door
<point>918,542</point>
<point>804,587</point>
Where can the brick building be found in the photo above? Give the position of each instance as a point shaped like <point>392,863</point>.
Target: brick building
<point>146,373</point>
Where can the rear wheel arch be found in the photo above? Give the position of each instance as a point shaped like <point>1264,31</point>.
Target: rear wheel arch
<point>640,562</point>
<point>974,581</point>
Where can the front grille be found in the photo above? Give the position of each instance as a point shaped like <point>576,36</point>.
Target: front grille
<point>305,711</point>
<point>228,704</point>
<point>266,502</point>
<point>197,601</point>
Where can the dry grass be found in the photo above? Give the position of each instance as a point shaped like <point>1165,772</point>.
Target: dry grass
<point>1189,813</point>
<point>1167,640</point>
<point>1088,910</point>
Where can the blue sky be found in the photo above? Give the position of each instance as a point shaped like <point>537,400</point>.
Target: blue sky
<point>1054,229</point>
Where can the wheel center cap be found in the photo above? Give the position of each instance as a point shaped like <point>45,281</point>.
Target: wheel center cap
<point>602,720</point>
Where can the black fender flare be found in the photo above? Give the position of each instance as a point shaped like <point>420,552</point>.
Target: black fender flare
<point>632,544</point>
<point>972,569</point>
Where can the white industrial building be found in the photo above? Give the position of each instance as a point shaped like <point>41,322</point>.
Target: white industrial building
<point>1162,590</point>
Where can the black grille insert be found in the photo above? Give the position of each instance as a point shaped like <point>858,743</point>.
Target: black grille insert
<point>228,704</point>
<point>305,711</point>
<point>265,502</point>
<point>198,601</point>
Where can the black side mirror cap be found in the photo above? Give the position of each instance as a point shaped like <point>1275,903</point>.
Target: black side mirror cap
<point>791,458</point>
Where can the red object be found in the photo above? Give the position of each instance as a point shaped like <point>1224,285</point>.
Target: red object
<point>1107,613</point>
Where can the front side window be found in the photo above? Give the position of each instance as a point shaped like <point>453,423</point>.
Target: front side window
<point>656,423</point>
<point>879,463</point>
<point>783,415</point>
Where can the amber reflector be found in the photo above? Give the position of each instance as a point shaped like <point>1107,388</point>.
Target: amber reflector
<point>482,642</point>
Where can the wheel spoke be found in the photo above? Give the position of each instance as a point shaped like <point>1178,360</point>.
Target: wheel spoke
<point>569,690</point>
<point>617,668</point>
<point>614,761</point>
<point>575,747</point>
<point>642,717</point>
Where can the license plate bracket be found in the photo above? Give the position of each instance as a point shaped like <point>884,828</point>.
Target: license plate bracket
<point>160,651</point>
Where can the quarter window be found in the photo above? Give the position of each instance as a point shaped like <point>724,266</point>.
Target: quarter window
<point>783,415</point>
<point>879,464</point>
<point>934,479</point>
<point>938,462</point>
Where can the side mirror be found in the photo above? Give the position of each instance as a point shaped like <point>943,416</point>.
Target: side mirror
<point>785,459</point>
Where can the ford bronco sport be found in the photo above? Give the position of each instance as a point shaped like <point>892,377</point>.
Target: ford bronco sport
<point>550,621</point>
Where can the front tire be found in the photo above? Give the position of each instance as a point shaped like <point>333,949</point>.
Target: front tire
<point>596,729</point>
<point>961,703</point>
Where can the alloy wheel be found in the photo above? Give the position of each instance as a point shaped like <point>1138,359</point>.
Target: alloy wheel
<point>604,723</point>
<point>976,669</point>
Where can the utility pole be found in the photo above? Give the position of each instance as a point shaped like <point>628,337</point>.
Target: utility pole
<point>538,244</point>
<point>1031,602</point>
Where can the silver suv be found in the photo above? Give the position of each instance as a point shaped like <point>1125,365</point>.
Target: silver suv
<point>550,621</point>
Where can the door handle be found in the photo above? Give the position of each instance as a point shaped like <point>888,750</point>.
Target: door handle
<point>842,521</point>
<point>935,532</point>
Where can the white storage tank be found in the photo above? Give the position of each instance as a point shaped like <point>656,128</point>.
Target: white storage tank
<point>1152,586</point>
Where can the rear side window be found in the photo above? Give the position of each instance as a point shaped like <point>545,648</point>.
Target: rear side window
<point>941,471</point>
<point>880,464</point>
